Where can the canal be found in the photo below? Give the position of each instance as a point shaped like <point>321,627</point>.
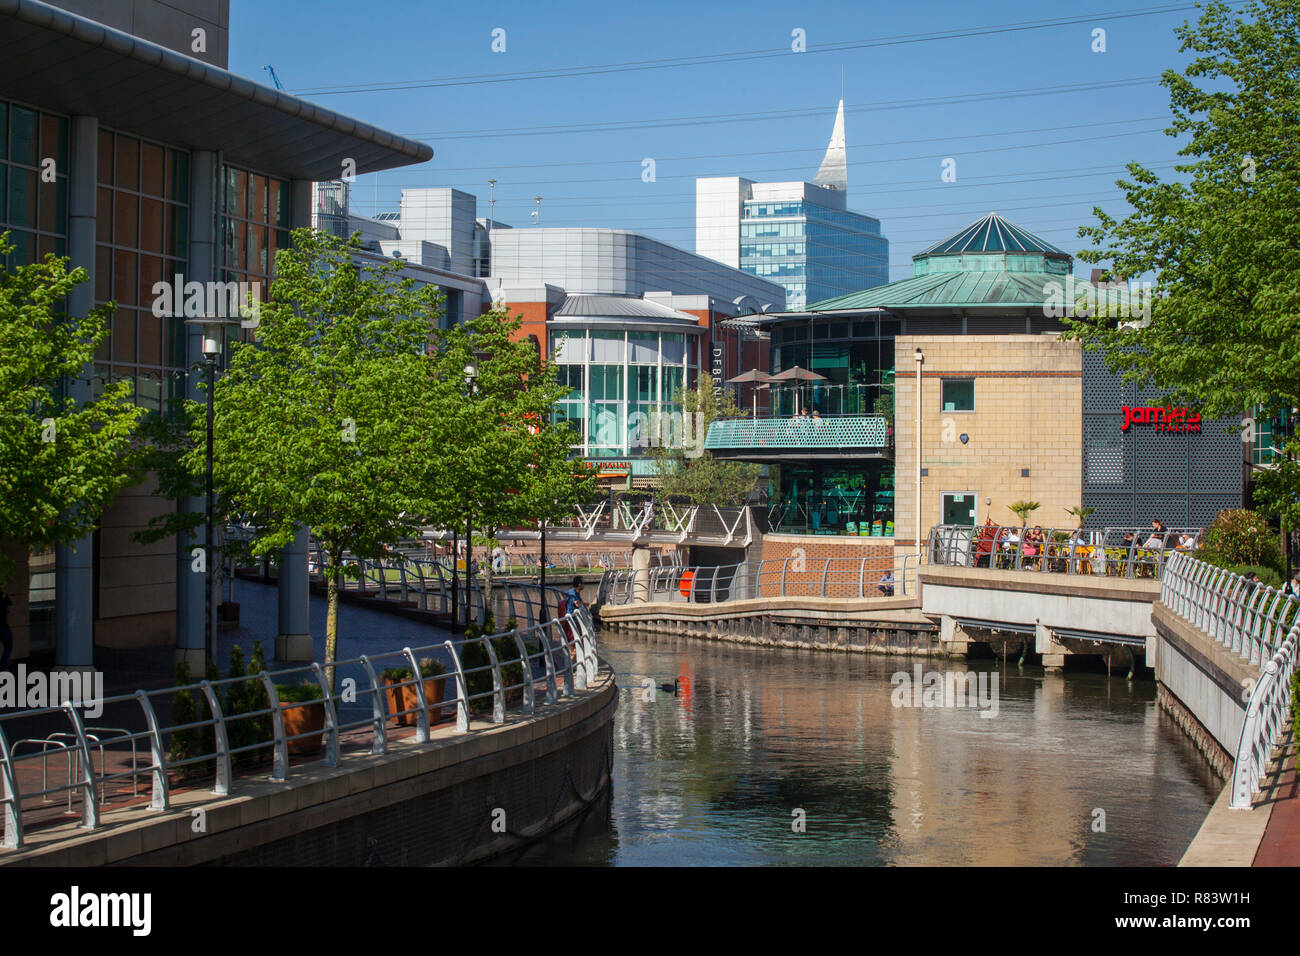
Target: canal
<point>1072,769</point>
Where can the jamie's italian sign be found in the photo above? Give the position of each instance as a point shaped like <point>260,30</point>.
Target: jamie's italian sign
<point>1162,419</point>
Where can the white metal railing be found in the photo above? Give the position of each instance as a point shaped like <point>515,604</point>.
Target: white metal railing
<point>1257,623</point>
<point>559,654</point>
<point>848,578</point>
<point>1247,618</point>
<point>1115,552</point>
<point>1266,715</point>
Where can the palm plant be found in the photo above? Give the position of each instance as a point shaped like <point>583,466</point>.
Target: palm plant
<point>1023,509</point>
<point>1081,513</point>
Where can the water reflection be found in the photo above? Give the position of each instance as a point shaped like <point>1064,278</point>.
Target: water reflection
<point>714,774</point>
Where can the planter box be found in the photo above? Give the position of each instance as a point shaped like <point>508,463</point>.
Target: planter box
<point>302,719</point>
<point>405,698</point>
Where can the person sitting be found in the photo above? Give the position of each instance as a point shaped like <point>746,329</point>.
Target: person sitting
<point>886,585</point>
<point>1292,588</point>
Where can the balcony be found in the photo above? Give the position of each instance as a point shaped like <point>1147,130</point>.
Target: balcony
<point>787,439</point>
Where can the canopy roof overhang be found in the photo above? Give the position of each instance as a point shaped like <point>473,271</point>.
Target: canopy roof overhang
<point>59,61</point>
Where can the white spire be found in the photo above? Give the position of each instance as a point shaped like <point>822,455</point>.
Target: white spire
<point>833,172</point>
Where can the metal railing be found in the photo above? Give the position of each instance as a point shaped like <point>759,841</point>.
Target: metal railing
<point>848,578</point>
<point>865,431</point>
<point>560,655</point>
<point>1115,552</point>
<point>1257,623</point>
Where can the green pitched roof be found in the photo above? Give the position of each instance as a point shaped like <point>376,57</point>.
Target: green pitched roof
<point>971,290</point>
<point>950,290</point>
<point>991,234</point>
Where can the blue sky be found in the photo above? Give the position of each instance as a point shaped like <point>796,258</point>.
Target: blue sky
<point>1042,159</point>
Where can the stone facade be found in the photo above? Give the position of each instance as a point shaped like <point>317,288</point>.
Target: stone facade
<point>1027,417</point>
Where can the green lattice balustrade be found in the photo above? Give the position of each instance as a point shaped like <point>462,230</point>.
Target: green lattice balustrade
<point>865,432</point>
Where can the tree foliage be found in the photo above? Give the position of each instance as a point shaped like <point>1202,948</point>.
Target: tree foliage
<point>1238,536</point>
<point>685,469</point>
<point>333,418</point>
<point>509,463</point>
<point>62,461</point>
<point>1222,238</point>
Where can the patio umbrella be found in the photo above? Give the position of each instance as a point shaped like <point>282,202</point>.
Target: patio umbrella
<point>797,374</point>
<point>752,377</point>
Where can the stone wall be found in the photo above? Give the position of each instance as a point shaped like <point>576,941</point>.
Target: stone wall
<point>807,556</point>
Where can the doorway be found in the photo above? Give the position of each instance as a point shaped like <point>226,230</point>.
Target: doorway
<point>959,508</point>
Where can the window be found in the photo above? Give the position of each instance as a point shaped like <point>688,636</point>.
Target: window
<point>957,395</point>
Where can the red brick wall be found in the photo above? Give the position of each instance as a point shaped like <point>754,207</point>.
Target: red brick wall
<point>808,556</point>
<point>534,323</point>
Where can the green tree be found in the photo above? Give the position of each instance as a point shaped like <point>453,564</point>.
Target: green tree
<point>62,461</point>
<point>685,469</point>
<point>1222,238</point>
<point>333,419</point>
<point>511,464</point>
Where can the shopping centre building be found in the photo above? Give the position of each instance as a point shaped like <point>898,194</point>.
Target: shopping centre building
<point>126,145</point>
<point>1008,410</point>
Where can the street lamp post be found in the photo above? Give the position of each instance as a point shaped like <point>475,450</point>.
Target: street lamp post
<point>471,373</point>
<point>212,328</point>
<point>920,360</point>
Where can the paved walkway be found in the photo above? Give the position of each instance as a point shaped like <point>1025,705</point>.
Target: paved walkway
<point>1280,845</point>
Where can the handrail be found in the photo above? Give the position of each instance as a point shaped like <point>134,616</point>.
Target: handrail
<point>1113,552</point>
<point>850,578</point>
<point>562,649</point>
<point>1257,623</point>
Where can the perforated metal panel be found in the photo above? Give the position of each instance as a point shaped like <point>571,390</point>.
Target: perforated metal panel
<point>1132,476</point>
<point>1113,510</point>
<point>1160,460</point>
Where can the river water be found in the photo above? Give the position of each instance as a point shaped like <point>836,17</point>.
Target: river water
<point>760,743</point>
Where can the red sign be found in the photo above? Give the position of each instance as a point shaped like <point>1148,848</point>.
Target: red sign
<point>1162,419</point>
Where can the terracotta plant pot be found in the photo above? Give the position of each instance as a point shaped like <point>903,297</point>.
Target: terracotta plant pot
<point>302,719</point>
<point>433,691</point>
<point>399,699</point>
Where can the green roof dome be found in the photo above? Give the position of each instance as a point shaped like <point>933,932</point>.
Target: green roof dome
<point>991,234</point>
<point>990,264</point>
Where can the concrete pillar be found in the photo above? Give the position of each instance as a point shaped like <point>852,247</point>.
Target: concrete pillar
<point>1053,652</point>
<point>191,608</point>
<point>293,642</point>
<point>641,573</point>
<point>74,575</point>
<point>952,637</point>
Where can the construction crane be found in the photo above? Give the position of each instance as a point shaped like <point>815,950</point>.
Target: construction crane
<point>274,79</point>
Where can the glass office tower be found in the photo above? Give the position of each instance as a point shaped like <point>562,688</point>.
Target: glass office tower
<point>816,252</point>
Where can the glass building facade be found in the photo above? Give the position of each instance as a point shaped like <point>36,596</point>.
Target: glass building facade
<point>621,382</point>
<point>33,210</point>
<point>813,251</point>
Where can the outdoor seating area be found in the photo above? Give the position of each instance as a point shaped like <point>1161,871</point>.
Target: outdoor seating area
<point>1113,552</point>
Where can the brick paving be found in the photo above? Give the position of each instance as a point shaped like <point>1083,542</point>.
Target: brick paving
<point>1281,843</point>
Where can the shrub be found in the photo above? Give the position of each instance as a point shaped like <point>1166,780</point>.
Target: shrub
<point>1241,537</point>
<point>298,693</point>
<point>192,707</point>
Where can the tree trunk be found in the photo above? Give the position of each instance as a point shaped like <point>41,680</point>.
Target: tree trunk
<point>332,627</point>
<point>487,584</point>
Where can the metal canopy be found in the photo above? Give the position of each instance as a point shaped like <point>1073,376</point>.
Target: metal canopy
<point>55,60</point>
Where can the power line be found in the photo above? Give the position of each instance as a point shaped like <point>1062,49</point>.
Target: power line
<point>733,57</point>
<point>715,119</point>
<point>802,149</point>
<point>909,185</point>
